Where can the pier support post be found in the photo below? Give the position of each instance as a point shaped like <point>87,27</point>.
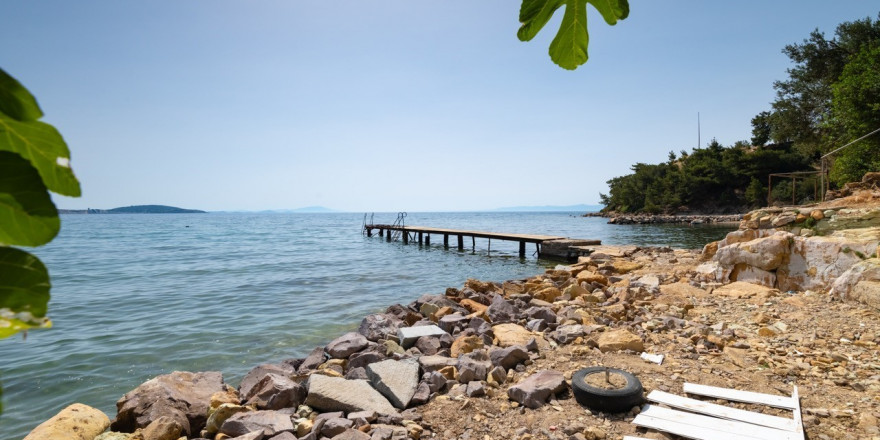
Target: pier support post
<point>405,235</point>
<point>381,232</point>
<point>446,241</point>
<point>474,244</point>
<point>388,235</point>
<point>369,232</point>
<point>460,242</point>
<point>522,249</point>
<point>428,240</point>
<point>420,238</point>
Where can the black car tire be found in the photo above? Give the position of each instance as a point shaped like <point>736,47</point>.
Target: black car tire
<point>607,400</point>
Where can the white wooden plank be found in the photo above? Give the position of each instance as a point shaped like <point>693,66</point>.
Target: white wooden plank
<point>740,396</point>
<point>722,411</point>
<point>741,429</point>
<point>684,429</point>
<point>799,423</point>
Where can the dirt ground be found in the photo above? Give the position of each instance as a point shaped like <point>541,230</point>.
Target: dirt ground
<point>757,340</point>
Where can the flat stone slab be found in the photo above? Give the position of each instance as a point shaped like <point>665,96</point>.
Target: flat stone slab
<point>409,335</point>
<point>337,394</point>
<point>396,380</point>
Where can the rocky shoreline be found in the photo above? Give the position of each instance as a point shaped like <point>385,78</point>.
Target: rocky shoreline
<point>494,361</point>
<point>615,218</point>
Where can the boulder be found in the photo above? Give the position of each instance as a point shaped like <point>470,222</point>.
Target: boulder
<point>534,391</point>
<point>312,361</point>
<point>465,344</point>
<point>181,395</point>
<point>508,335</point>
<point>163,428</point>
<point>500,310</point>
<point>396,380</point>
<point>75,422</point>
<point>351,434</point>
<point>256,375</point>
<point>276,392</point>
<point>435,363</point>
<point>473,366</point>
<point>453,322</point>
<point>335,426</point>
<point>860,283</point>
<point>269,422</point>
<point>615,340</point>
<point>565,334</point>
<point>409,335</point>
<point>767,253</point>
<point>219,415</point>
<point>346,345</point>
<point>428,345</point>
<point>509,357</point>
<point>379,326</point>
<point>258,435</point>
<point>363,358</point>
<point>338,394</point>
<point>816,262</point>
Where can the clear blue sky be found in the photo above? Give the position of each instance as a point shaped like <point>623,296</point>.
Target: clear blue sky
<point>387,105</point>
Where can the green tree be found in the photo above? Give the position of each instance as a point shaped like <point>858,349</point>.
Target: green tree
<point>761,129</point>
<point>34,159</point>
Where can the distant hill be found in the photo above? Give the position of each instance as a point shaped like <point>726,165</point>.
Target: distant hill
<point>551,208</point>
<point>136,209</point>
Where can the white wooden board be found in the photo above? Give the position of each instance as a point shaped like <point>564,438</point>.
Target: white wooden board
<point>707,428</point>
<point>722,411</point>
<point>741,396</point>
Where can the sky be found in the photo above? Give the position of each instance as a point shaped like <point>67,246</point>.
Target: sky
<point>372,106</point>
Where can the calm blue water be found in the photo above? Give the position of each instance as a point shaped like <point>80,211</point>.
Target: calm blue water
<point>135,296</point>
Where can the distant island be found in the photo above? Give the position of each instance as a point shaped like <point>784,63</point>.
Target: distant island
<point>547,208</point>
<point>136,209</point>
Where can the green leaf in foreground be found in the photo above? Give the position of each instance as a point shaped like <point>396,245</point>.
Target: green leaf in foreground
<point>569,47</point>
<point>28,216</point>
<point>24,292</point>
<point>43,146</point>
<point>16,101</point>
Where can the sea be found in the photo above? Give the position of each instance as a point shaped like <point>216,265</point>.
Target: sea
<point>135,296</point>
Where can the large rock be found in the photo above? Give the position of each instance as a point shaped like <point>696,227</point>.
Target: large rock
<point>312,361</point>
<point>258,373</point>
<point>276,392</point>
<point>500,310</point>
<point>379,326</point>
<point>434,363</point>
<point>221,413</point>
<point>76,422</point>
<point>616,340</point>
<point>508,335</point>
<point>473,366</point>
<point>534,391</point>
<point>346,345</point>
<point>396,380</point>
<point>409,335</point>
<point>860,283</point>
<point>816,262</point>
<point>766,253</point>
<point>163,428</point>
<point>270,422</point>
<point>465,344</point>
<point>338,394</point>
<point>181,395</point>
<point>509,357</point>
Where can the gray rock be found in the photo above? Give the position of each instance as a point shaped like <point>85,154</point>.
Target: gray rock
<point>351,434</point>
<point>346,345</point>
<point>270,422</point>
<point>409,335</point>
<point>362,417</point>
<point>379,326</point>
<point>396,380</point>
<point>428,345</point>
<point>181,395</point>
<point>481,327</point>
<point>452,323</point>
<point>276,392</point>
<point>284,436</point>
<point>335,426</point>
<point>257,374</point>
<point>357,373</point>
<point>475,389</point>
<point>388,432</point>
<point>434,380</point>
<point>536,325</point>
<point>364,358</point>
<point>313,360</point>
<point>507,358</point>
<point>434,363</point>
<point>473,366</point>
<point>501,311</point>
<point>534,391</point>
<point>338,394</point>
<point>421,396</point>
<point>256,435</point>
<point>544,313</point>
<point>567,333</point>
<point>498,374</point>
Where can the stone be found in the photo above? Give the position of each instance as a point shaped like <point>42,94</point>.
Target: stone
<point>544,313</point>
<point>497,375</point>
<point>284,436</point>
<point>536,325</point>
<point>270,422</point>
<point>407,336</point>
<point>313,360</point>
<point>465,344</point>
<point>163,428</point>
<point>473,366</point>
<point>363,358</point>
<point>647,281</point>
<point>379,326</point>
<point>434,380</point>
<point>335,426</point>
<point>453,322</point>
<point>742,289</point>
<point>435,363</point>
<point>182,395</point>
<point>351,434</point>
<point>500,310</point>
<point>75,422</point>
<point>509,357</point>
<point>860,283</point>
<point>346,345</point>
<point>276,392</point>
<point>396,380</point>
<point>428,345</point>
<point>565,334</point>
<point>816,262</point>
<point>507,335</point>
<point>473,306</point>
<point>817,214</point>
<point>615,340</point>
<point>221,397</point>
<point>475,389</point>
<point>421,396</point>
<point>745,273</point>
<point>219,415</point>
<point>783,219</point>
<point>255,435</point>
<point>534,391</point>
<point>257,373</point>
<point>338,394</point>
<point>767,253</point>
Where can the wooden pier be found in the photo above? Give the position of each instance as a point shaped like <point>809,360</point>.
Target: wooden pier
<point>422,234</point>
